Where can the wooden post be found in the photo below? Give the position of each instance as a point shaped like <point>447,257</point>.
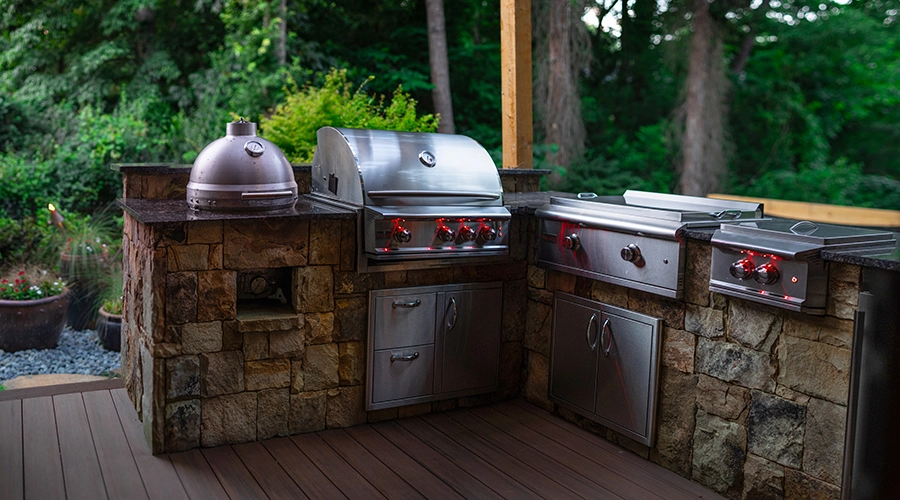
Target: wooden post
<point>515,62</point>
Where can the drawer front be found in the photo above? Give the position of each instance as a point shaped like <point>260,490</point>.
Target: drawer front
<point>402,320</point>
<point>410,374</point>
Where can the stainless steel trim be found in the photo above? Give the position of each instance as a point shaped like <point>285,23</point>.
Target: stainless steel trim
<point>414,303</point>
<point>753,295</point>
<point>606,328</point>
<point>410,357</point>
<point>266,195</point>
<point>859,328</point>
<point>398,193</point>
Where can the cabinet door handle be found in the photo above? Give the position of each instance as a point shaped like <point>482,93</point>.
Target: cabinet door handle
<point>587,333</point>
<point>452,322</point>
<point>607,329</point>
<point>414,303</point>
<point>410,357</point>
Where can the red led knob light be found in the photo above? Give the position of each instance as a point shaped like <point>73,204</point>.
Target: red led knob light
<point>767,274</point>
<point>466,233</point>
<point>742,269</point>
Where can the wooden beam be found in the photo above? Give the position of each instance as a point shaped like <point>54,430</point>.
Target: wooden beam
<point>515,62</point>
<point>819,212</point>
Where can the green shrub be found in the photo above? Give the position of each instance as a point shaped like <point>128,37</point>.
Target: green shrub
<point>294,122</point>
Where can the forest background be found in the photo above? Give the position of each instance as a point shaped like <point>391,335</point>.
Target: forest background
<point>798,99</point>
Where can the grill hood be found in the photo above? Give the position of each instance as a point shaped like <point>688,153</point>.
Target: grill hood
<point>382,168</point>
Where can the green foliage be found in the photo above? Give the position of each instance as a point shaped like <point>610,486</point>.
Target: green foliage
<point>28,239</point>
<point>293,123</point>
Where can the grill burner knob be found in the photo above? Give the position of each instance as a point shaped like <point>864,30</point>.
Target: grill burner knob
<point>487,233</point>
<point>742,269</point>
<point>402,235</point>
<point>631,253</point>
<point>445,234</point>
<point>572,242</point>
<point>466,233</point>
<point>767,274</point>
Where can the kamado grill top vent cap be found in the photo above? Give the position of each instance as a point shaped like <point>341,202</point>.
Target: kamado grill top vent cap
<point>241,172</point>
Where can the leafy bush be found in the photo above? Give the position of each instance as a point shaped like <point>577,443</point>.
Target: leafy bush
<point>294,122</point>
<point>28,239</point>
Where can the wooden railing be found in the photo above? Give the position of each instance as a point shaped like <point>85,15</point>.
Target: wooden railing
<point>819,212</point>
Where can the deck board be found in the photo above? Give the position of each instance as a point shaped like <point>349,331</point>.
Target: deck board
<point>12,480</point>
<point>90,444</point>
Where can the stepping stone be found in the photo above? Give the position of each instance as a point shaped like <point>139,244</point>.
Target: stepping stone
<point>25,381</point>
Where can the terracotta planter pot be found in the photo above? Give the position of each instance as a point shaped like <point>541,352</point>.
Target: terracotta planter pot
<point>109,329</point>
<point>32,324</point>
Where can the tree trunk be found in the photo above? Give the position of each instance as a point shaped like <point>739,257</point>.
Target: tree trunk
<point>702,145</point>
<point>281,47</point>
<point>440,64</point>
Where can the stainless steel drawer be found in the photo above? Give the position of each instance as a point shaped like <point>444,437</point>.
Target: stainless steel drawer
<point>403,320</point>
<point>402,373</point>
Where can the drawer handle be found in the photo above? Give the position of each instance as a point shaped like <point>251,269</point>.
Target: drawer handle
<point>410,357</point>
<point>452,321</point>
<point>414,303</point>
<point>607,329</point>
<point>587,333</point>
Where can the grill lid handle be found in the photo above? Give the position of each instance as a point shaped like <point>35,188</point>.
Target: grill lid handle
<point>404,193</point>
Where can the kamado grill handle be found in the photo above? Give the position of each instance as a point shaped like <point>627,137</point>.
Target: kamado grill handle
<point>265,195</point>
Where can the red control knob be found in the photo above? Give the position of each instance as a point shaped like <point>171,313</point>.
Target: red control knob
<point>402,235</point>
<point>487,233</point>
<point>445,234</point>
<point>466,233</point>
<point>742,269</point>
<point>767,274</point>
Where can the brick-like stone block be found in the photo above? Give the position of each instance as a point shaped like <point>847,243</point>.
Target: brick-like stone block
<point>265,243</point>
<point>313,288</point>
<point>181,298</point>
<point>704,321</point>
<point>351,320</point>
<point>166,350</point>
<point>307,412</point>
<point>842,300</point>
<point>675,420</point>
<point>325,242</point>
<point>753,325</point>
<point>255,346</point>
<point>799,486</point>
<point>678,349</point>
<point>557,280</point>
<point>321,367</point>
<point>515,306</point>
<point>670,310</point>
<point>696,273</point>
<point>763,480</point>
<point>267,374</point>
<point>832,331</point>
<point>775,429</point>
<point>814,368</point>
<point>346,283</point>
<point>204,232</point>
<point>823,443</point>
<point>216,257</point>
<point>733,363</point>
<point>165,187</point>
<point>221,373</point>
<point>320,328</point>
<point>731,402</point>
<point>217,295</point>
<point>536,277</point>
<point>539,319</point>
<point>286,344</point>
<point>536,381</point>
<point>352,369</point>
<point>188,258</point>
<point>345,407</point>
<point>348,245</point>
<point>542,296</point>
<point>201,337</point>
<point>719,452</point>
<point>183,375</point>
<point>273,409</point>
<point>613,295</point>
<point>229,419</point>
<point>268,319</point>
<point>232,338</point>
<point>183,425</point>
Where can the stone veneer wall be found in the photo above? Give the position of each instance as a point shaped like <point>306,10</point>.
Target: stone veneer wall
<point>752,399</point>
<point>201,371</point>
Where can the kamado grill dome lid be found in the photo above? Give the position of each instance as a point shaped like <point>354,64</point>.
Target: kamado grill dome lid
<point>241,172</point>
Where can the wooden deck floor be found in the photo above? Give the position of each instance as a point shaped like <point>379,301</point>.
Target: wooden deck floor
<point>88,444</point>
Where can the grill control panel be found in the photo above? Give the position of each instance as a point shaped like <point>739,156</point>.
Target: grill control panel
<point>439,236</point>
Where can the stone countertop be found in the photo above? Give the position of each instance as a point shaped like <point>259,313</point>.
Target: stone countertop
<point>174,168</point>
<point>167,211</point>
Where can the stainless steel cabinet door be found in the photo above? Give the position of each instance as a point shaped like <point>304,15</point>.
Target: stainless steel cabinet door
<point>624,372</point>
<point>403,319</point>
<point>469,339</point>
<point>573,353</point>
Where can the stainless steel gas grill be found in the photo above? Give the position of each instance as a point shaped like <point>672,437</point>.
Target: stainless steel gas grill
<point>421,198</point>
<point>778,262</point>
<point>632,240</point>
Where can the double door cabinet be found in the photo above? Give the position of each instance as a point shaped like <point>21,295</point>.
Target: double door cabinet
<point>604,364</point>
<point>429,343</point>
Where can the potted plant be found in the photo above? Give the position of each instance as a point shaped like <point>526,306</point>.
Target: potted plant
<point>109,321</point>
<point>33,309</point>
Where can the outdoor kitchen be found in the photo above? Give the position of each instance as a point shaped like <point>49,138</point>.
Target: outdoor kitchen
<point>402,274</point>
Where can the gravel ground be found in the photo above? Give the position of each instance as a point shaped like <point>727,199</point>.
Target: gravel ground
<point>78,352</point>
